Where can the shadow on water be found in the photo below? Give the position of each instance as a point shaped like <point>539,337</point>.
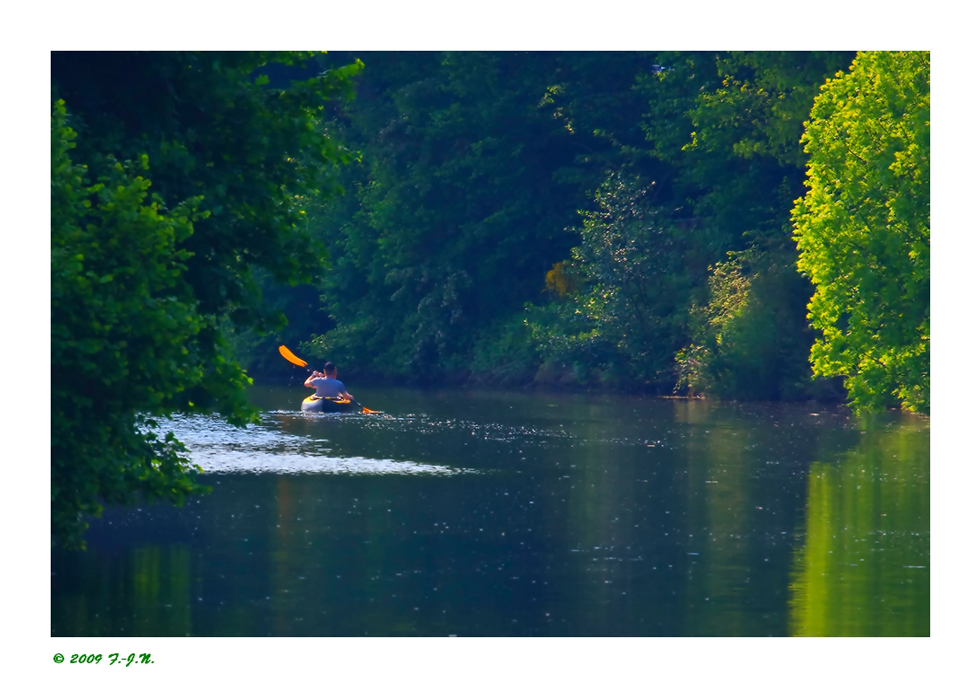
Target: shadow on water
<point>506,514</point>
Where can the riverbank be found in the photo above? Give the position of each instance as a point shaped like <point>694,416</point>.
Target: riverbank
<point>551,379</point>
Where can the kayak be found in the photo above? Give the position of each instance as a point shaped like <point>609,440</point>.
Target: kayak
<point>314,404</point>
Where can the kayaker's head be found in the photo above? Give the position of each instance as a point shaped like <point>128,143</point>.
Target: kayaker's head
<point>329,369</point>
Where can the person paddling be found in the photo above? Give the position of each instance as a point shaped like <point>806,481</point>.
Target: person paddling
<point>326,383</point>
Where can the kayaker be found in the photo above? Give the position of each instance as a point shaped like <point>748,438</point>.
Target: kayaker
<point>326,383</point>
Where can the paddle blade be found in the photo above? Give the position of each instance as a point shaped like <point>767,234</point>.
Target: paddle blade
<point>288,355</point>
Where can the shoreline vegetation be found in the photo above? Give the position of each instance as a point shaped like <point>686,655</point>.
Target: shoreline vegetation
<point>835,394</point>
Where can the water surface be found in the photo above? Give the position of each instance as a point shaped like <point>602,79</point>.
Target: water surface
<point>519,514</point>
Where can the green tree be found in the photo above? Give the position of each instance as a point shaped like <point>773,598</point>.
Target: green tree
<point>122,326</point>
<point>459,213</point>
<point>693,278</point>
<point>863,229</point>
<point>632,264</point>
<point>142,285</point>
<point>730,124</point>
<point>214,125</point>
<point>749,340</point>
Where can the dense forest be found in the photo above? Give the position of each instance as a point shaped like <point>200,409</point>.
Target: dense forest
<point>615,220</point>
<point>743,225</point>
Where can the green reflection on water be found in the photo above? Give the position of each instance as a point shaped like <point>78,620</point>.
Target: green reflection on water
<point>161,590</point>
<point>149,594</point>
<point>725,525</point>
<point>863,569</point>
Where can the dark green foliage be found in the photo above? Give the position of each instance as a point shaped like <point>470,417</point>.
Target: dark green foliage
<point>632,264</point>
<point>471,163</point>
<point>211,127</point>
<point>143,286</point>
<point>123,326</point>
<point>750,338</point>
<point>459,212</point>
<point>722,148</point>
<point>730,124</point>
<point>303,316</point>
<point>594,98</point>
<point>506,354</point>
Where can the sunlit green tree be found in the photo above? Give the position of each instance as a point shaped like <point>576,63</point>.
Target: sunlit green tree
<point>863,229</point>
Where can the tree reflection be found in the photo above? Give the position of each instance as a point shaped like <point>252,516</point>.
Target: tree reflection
<point>863,569</point>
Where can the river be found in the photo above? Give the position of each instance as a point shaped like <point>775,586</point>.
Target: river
<point>477,513</point>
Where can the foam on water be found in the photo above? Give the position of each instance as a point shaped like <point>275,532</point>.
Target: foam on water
<point>218,447</point>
